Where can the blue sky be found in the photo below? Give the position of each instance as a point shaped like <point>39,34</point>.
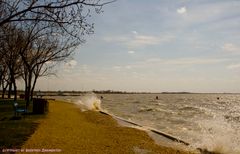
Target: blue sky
<point>157,45</point>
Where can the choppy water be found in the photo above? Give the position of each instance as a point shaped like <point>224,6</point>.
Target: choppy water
<point>209,121</point>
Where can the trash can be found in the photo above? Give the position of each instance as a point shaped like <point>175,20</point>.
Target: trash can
<point>40,106</point>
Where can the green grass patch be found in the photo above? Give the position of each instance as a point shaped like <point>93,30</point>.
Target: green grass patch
<point>14,132</point>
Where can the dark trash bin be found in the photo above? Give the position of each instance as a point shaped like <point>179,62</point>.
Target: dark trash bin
<point>40,106</point>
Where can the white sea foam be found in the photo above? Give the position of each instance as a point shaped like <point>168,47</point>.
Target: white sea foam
<point>218,135</point>
<point>89,101</point>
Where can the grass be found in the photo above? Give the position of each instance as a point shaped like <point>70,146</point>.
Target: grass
<point>15,131</point>
<point>72,131</point>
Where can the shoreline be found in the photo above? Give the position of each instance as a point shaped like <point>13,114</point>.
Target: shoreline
<point>71,130</point>
<point>164,136</point>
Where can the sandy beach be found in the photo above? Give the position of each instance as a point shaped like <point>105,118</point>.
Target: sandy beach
<point>68,130</point>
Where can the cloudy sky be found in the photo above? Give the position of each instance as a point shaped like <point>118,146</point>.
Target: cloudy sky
<point>158,45</point>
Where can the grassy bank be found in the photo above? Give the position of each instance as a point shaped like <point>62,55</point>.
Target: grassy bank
<point>69,130</point>
<point>14,132</point>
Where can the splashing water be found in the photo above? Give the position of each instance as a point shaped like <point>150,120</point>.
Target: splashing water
<point>89,101</point>
<point>218,135</point>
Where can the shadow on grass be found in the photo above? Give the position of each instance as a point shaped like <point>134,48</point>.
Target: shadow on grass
<point>15,131</point>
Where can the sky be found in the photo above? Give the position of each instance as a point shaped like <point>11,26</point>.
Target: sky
<point>157,46</point>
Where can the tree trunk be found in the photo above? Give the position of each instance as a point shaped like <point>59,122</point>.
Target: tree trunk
<point>27,97</point>
<point>32,90</point>
<point>33,87</point>
<point>15,89</point>
<point>28,89</point>
<point>13,82</point>
<point>4,88</point>
<point>3,91</point>
<point>10,89</point>
<point>25,92</point>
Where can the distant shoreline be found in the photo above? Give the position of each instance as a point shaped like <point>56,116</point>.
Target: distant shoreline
<point>80,93</point>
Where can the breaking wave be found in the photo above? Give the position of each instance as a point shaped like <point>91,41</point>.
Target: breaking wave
<point>218,135</point>
<point>89,101</point>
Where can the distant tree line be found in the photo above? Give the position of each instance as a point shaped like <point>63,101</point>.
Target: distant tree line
<point>35,35</point>
<point>117,92</point>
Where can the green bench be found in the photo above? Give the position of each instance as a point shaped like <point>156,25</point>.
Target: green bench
<point>18,110</point>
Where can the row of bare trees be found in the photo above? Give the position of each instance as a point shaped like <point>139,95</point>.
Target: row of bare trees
<point>35,35</point>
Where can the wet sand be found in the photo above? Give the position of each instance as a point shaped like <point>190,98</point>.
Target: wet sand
<point>68,130</point>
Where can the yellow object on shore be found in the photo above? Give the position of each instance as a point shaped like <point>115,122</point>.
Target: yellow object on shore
<point>68,130</point>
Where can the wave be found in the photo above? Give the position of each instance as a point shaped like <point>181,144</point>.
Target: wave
<point>218,135</point>
<point>146,109</point>
<point>89,101</point>
<point>232,118</point>
<point>189,108</point>
<point>137,102</point>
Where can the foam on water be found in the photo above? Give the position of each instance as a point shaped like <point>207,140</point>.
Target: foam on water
<point>218,135</point>
<point>89,101</point>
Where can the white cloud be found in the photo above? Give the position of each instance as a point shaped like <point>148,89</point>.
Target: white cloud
<point>193,61</point>
<point>131,52</point>
<point>145,40</point>
<point>175,63</point>
<point>233,66</point>
<point>70,64</point>
<point>118,39</point>
<point>209,13</point>
<point>85,68</point>
<point>133,41</point>
<point>134,32</point>
<point>128,67</point>
<point>182,10</point>
<point>230,47</point>
<point>121,68</point>
<point>117,68</point>
<point>185,61</point>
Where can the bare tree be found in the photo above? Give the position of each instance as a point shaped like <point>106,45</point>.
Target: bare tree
<point>46,31</point>
<point>42,46</point>
<point>9,52</point>
<point>42,70</point>
<point>70,16</point>
<point>28,52</point>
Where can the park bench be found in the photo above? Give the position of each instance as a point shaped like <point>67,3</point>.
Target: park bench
<point>18,110</point>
